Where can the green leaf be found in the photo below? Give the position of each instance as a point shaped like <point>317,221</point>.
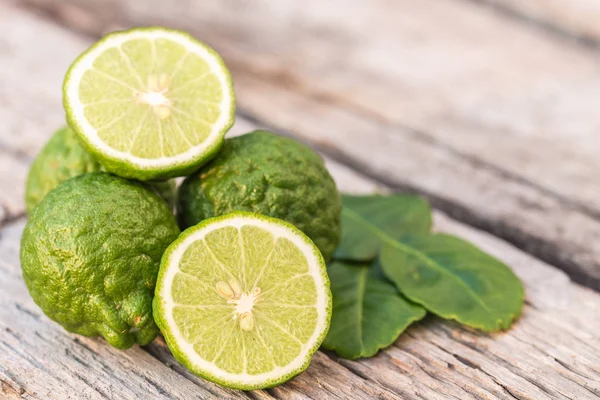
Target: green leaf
<point>366,220</point>
<point>454,279</point>
<point>368,312</point>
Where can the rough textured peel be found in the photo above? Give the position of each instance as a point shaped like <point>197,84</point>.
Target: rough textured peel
<point>271,175</point>
<point>90,254</point>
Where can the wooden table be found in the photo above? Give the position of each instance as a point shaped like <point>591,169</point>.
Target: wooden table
<point>490,109</point>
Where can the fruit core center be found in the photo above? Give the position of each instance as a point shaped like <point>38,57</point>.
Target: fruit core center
<point>154,99</point>
<point>154,95</point>
<point>243,302</point>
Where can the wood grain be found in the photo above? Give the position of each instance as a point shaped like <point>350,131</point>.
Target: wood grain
<point>13,171</point>
<point>553,351</point>
<point>495,122</point>
<point>575,20</point>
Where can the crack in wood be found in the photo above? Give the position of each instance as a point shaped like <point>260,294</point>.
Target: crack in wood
<point>561,363</point>
<point>508,390</point>
<point>265,394</point>
<point>25,356</point>
<point>96,357</point>
<point>158,349</point>
<point>85,346</point>
<point>8,388</point>
<point>89,384</point>
<point>350,366</point>
<point>24,310</point>
<point>474,365</point>
<point>156,386</point>
<point>9,384</point>
<point>70,354</point>
<point>569,368</point>
<point>465,361</point>
<point>518,371</point>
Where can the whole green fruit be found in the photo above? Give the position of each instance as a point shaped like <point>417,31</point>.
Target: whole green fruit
<point>63,158</point>
<point>271,175</point>
<point>90,255</point>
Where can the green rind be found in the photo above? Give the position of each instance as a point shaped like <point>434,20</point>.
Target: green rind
<point>90,253</point>
<point>449,291</point>
<point>159,310</point>
<point>128,169</point>
<point>268,174</point>
<point>62,158</point>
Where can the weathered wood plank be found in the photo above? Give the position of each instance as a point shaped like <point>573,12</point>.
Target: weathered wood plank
<point>13,172</point>
<point>31,74</point>
<point>494,121</point>
<point>521,361</point>
<point>515,105</point>
<point>552,352</point>
<point>39,360</point>
<point>85,367</point>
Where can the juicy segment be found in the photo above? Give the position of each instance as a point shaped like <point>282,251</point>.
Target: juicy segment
<point>245,299</point>
<point>151,98</point>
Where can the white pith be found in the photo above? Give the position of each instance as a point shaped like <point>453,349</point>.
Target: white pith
<point>154,99</point>
<point>245,303</point>
<point>86,62</point>
<point>187,348</point>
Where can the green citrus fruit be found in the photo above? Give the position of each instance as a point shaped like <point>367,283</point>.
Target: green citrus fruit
<point>167,191</point>
<point>150,103</point>
<point>243,300</point>
<point>271,175</point>
<point>63,158</point>
<point>90,255</point>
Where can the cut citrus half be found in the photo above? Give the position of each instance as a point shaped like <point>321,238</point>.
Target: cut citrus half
<point>243,300</point>
<point>150,103</point>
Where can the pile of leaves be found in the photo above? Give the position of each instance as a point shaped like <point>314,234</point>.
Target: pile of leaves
<point>391,269</point>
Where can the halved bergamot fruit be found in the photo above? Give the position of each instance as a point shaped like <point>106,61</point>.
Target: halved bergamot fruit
<point>243,300</point>
<point>150,103</point>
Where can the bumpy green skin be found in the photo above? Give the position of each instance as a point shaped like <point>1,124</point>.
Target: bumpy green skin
<point>90,255</point>
<point>63,158</point>
<point>268,174</point>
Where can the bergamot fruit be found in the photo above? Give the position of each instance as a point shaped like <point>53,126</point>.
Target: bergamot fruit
<point>243,300</point>
<point>167,190</point>
<point>63,158</point>
<point>268,174</point>
<point>90,255</point>
<point>150,103</point>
